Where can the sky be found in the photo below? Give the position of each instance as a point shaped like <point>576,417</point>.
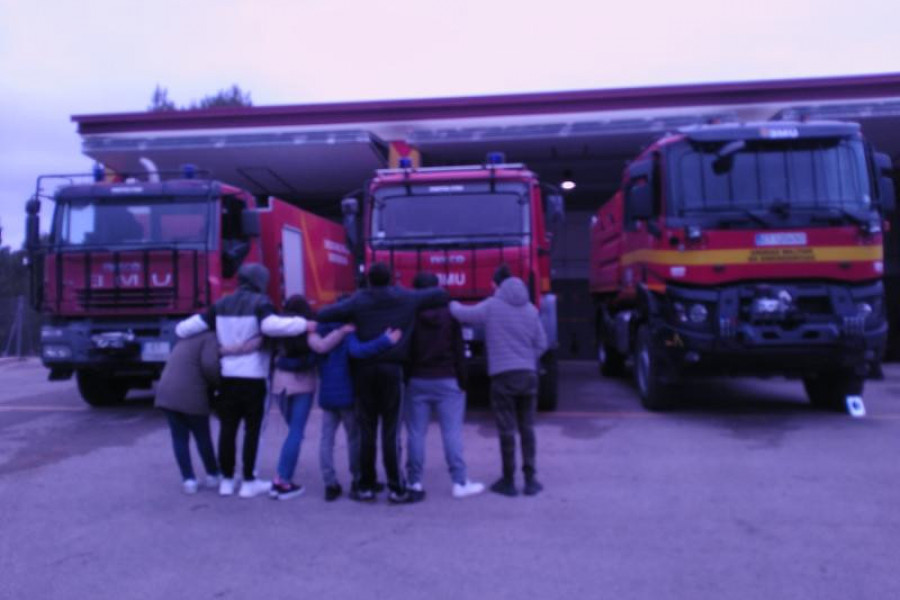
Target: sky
<point>60,58</point>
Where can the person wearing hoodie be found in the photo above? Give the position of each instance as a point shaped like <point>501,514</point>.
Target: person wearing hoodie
<point>515,341</point>
<point>437,378</point>
<point>237,319</point>
<point>379,380</point>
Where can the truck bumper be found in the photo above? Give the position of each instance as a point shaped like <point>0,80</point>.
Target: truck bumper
<point>690,352</point>
<point>824,331</point>
<point>132,348</point>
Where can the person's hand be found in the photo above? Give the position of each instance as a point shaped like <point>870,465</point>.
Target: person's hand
<point>348,328</point>
<point>393,334</point>
<point>311,326</point>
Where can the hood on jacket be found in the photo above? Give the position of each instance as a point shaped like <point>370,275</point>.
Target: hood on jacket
<point>253,276</point>
<point>513,291</point>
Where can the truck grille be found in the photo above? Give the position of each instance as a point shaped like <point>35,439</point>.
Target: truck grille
<point>126,298</point>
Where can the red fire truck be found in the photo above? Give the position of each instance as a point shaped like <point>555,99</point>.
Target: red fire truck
<point>127,259</point>
<point>745,249</point>
<point>461,223</point>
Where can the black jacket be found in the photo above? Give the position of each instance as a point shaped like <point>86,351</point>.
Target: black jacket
<point>375,309</point>
<point>437,347</point>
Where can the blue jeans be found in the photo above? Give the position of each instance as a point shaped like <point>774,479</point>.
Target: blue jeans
<point>331,420</point>
<point>295,410</point>
<point>444,396</point>
<point>182,425</point>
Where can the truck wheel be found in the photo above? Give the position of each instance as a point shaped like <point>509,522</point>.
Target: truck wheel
<point>548,383</point>
<point>100,390</point>
<point>655,394</point>
<point>830,391</point>
<point>610,361</point>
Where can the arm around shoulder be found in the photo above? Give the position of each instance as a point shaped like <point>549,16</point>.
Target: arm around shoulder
<point>473,314</point>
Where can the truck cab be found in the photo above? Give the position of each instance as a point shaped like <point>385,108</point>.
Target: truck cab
<point>127,259</point>
<point>461,223</point>
<point>745,249</point>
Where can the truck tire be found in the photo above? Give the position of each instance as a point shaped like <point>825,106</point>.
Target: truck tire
<point>100,390</point>
<point>548,383</point>
<point>610,361</point>
<point>830,391</point>
<point>655,393</point>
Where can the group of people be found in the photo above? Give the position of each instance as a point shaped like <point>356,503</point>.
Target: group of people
<point>381,358</point>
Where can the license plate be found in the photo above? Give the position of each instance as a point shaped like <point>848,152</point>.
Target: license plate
<point>781,239</point>
<point>155,351</point>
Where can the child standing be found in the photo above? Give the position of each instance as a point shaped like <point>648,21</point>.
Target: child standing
<point>337,400</point>
<point>293,386</point>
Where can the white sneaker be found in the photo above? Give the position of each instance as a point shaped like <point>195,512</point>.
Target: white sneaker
<point>415,487</point>
<point>226,487</point>
<point>469,488</point>
<point>255,487</point>
<point>212,481</point>
<point>189,486</point>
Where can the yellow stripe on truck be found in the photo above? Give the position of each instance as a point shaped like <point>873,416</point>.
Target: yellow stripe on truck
<point>746,256</point>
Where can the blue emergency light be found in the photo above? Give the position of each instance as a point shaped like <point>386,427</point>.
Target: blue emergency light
<point>496,158</point>
<point>189,170</point>
<point>99,172</point>
<point>405,162</point>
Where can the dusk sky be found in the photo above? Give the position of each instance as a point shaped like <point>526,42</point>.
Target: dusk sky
<point>59,58</point>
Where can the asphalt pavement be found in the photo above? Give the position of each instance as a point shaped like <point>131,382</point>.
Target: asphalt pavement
<point>744,492</point>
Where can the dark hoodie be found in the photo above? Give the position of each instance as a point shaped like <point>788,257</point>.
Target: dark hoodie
<point>437,349</point>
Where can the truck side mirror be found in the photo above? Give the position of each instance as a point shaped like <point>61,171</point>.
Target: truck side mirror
<point>250,225</point>
<point>556,210</point>
<point>32,224</point>
<point>887,196</point>
<point>350,210</point>
<point>639,200</point>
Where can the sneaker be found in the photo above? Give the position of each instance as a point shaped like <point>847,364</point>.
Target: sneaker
<point>469,488</point>
<point>532,487</point>
<point>361,495</point>
<point>415,492</point>
<point>189,486</point>
<point>401,497</point>
<point>333,492</point>
<point>505,487</point>
<point>212,481</point>
<point>285,490</point>
<point>226,487</point>
<point>254,487</point>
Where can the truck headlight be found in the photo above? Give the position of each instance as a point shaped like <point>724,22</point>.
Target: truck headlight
<point>698,314</point>
<point>55,352</point>
<point>51,333</point>
<point>864,309</point>
<point>680,312</point>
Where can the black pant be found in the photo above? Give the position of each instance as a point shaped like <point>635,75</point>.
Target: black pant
<point>380,391</point>
<point>514,400</point>
<point>240,399</point>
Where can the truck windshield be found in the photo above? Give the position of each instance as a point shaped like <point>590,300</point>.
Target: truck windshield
<point>449,218</point>
<point>132,222</point>
<point>784,175</point>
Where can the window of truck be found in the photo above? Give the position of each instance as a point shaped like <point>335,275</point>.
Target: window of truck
<point>805,174</point>
<point>132,222</point>
<point>442,214</point>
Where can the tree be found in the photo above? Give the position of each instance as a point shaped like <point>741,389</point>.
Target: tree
<point>233,96</point>
<point>160,101</point>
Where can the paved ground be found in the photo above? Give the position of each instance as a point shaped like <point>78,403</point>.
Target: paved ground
<point>745,493</point>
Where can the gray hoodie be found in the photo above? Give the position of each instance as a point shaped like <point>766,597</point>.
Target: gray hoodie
<point>513,332</point>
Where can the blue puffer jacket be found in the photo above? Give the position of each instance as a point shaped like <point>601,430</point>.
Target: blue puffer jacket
<point>335,380</point>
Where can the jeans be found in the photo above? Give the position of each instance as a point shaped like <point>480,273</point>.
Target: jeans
<point>295,410</point>
<point>182,425</point>
<point>241,399</point>
<point>514,400</point>
<point>331,420</point>
<point>380,387</point>
<point>444,396</point>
